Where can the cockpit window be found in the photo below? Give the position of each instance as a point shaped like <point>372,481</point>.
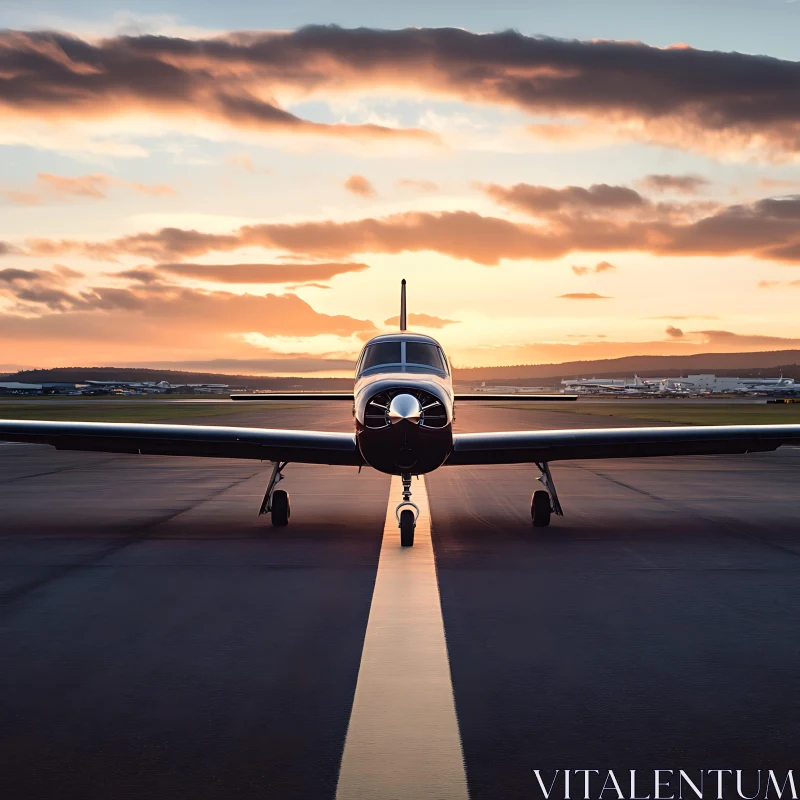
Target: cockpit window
<point>402,357</point>
<point>427,355</point>
<point>382,353</point>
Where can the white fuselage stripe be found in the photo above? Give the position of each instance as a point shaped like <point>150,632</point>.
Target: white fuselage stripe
<point>403,741</point>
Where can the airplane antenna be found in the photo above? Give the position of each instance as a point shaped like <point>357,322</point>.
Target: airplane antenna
<point>403,305</point>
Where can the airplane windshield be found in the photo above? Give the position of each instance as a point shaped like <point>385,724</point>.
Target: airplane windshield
<point>377,355</point>
<point>383,356</point>
<point>426,355</point>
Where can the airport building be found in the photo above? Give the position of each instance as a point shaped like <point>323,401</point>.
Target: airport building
<point>114,388</point>
<point>702,383</point>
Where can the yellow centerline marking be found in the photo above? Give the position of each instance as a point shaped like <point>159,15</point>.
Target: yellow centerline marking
<point>403,741</point>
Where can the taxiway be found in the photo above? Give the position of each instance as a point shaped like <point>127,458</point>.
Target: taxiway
<point>159,639</point>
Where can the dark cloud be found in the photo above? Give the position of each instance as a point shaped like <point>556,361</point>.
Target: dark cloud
<point>12,275</point>
<point>583,296</point>
<point>141,275</point>
<point>673,332</point>
<point>39,287</point>
<point>8,249</point>
<point>422,321</point>
<point>683,184</point>
<point>687,96</point>
<point>358,184</point>
<point>50,74</point>
<point>542,200</point>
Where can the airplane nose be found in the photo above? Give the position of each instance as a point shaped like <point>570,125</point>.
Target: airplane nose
<point>404,407</point>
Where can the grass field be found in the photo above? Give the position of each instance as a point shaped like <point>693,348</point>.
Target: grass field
<point>104,411</point>
<point>645,412</point>
<point>715,413</point>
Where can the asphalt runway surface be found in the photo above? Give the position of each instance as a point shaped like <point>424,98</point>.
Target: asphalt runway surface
<point>158,639</point>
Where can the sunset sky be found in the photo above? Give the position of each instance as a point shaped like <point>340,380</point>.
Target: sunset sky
<point>241,186</point>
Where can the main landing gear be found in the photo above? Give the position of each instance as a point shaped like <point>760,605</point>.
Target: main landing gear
<point>407,513</point>
<point>276,501</point>
<point>545,501</point>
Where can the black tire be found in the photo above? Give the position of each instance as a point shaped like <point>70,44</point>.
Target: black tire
<point>540,509</point>
<point>281,511</point>
<point>407,525</point>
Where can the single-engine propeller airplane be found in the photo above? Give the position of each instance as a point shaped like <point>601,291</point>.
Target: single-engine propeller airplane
<point>404,408</point>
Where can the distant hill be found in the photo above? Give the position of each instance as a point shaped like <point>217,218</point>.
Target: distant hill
<point>83,374</point>
<point>748,364</point>
<point>753,365</point>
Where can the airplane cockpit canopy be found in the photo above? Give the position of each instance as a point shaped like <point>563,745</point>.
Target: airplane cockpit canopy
<point>419,354</point>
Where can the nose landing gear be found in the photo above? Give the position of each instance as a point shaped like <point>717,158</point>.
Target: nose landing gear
<point>407,513</point>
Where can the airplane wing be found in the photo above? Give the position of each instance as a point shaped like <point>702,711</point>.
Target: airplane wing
<point>514,397</point>
<point>520,447</point>
<point>297,396</point>
<point>294,396</point>
<point>305,447</point>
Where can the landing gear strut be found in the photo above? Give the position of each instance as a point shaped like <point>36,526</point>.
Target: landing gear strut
<point>545,501</point>
<point>407,513</point>
<point>276,501</point>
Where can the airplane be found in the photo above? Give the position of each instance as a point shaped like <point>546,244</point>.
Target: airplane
<point>404,408</point>
<point>785,387</point>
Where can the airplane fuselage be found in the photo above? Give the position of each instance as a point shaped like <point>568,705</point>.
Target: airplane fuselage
<point>404,404</point>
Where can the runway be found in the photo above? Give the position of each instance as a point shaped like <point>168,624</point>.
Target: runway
<point>159,639</point>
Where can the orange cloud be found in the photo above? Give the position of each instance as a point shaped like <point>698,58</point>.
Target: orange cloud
<point>241,160</point>
<point>94,186</point>
<point>589,351</point>
<point>292,364</point>
<point>22,198</point>
<point>84,186</point>
<point>767,229</point>
<point>250,273</point>
<point>776,284</point>
<point>603,266</point>
<point>583,296</point>
<point>733,341</point>
<point>420,185</point>
<point>155,320</point>
<point>778,183</point>
<point>683,184</point>
<point>422,321</point>
<point>358,184</point>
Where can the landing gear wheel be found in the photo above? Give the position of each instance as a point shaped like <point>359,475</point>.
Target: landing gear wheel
<point>407,525</point>
<point>281,510</point>
<point>540,509</point>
